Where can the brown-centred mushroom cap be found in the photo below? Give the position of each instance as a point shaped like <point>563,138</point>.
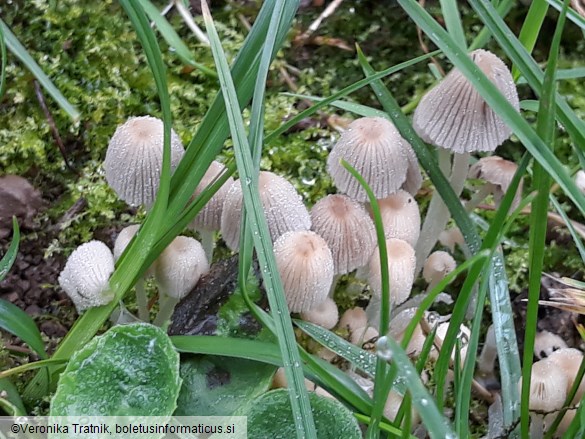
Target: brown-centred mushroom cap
<point>453,115</point>
<point>401,268</point>
<point>180,266</point>
<point>283,207</point>
<point>348,230</point>
<point>86,275</point>
<point>499,173</point>
<point>400,216</point>
<point>134,159</point>
<point>326,314</point>
<point>305,266</point>
<point>209,218</point>
<point>373,146</point>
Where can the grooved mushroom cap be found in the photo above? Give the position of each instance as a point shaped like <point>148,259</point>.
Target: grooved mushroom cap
<point>548,387</point>
<point>373,146</point>
<point>86,275</point>
<point>348,230</point>
<point>400,216</point>
<point>283,207</point>
<point>180,266</point>
<point>305,266</point>
<point>438,265</point>
<point>569,361</point>
<point>454,116</point>
<point>134,159</point>
<point>545,343</point>
<point>209,218</point>
<point>499,173</point>
<point>401,268</point>
<point>326,314</point>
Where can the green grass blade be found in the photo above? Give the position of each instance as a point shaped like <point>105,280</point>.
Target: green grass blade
<point>10,401</point>
<point>19,323</point>
<point>22,54</point>
<point>388,428</point>
<point>503,8</point>
<point>4,62</point>
<point>576,238</point>
<point>8,259</point>
<point>531,28</point>
<point>173,39</point>
<point>293,370</point>
<point>571,14</point>
<point>453,22</point>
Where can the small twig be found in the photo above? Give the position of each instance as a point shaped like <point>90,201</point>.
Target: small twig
<point>329,10</point>
<point>51,122</point>
<point>21,349</point>
<point>77,207</point>
<point>188,19</point>
<point>164,12</point>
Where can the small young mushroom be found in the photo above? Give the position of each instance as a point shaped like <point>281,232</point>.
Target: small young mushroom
<point>134,159</point>
<point>177,270</point>
<point>325,314</point>
<point>451,237</point>
<point>400,216</point>
<point>487,361</point>
<point>545,343</point>
<point>438,265</point>
<point>373,146</point>
<point>463,337</point>
<point>569,360</point>
<point>86,275</point>
<point>580,180</point>
<point>283,207</point>
<point>208,219</point>
<point>353,319</point>
<point>305,266</point>
<point>498,174</point>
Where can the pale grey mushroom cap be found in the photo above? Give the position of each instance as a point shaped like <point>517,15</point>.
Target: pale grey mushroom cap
<point>499,173</point>
<point>548,387</point>
<point>86,275</point>
<point>569,361</point>
<point>545,343</point>
<point>580,180</point>
<point>123,239</point>
<point>134,159</point>
<point>326,314</point>
<point>438,265</point>
<point>454,116</point>
<point>283,207</point>
<point>305,266</point>
<point>348,230</point>
<point>400,216</point>
<point>373,146</point>
<point>401,270</point>
<point>180,266</point>
<point>209,218</point>
<point>352,319</point>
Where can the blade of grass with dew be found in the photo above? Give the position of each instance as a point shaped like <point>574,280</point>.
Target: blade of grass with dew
<point>132,262</point>
<point>494,98</point>
<point>562,74</point>
<point>299,399</point>
<point>8,259</point>
<point>571,14</point>
<point>173,39</point>
<point>381,367</point>
<point>352,107</point>
<point>453,22</point>
<point>388,428</point>
<point>531,28</point>
<point>503,8</point>
<point>570,227</point>
<point>4,56</point>
<point>22,54</point>
<point>545,127</point>
<point>528,68</point>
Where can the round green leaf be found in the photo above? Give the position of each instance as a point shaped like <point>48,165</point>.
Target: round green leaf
<point>270,416</point>
<point>131,370</point>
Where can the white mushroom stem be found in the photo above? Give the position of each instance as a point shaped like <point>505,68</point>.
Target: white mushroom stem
<point>487,359</point>
<point>438,213</point>
<point>166,307</point>
<point>207,242</point>
<point>141,301</point>
<point>479,196</point>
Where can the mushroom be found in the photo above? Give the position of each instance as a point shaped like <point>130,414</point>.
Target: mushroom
<point>463,336</point>
<point>580,180</point>
<point>177,270</point>
<point>373,146</point>
<point>398,326</point>
<point>283,207</point>
<point>86,275</point>
<point>451,237</point>
<point>400,216</point>
<point>325,314</point>
<point>437,266</point>
<point>569,361</point>
<point>498,174</point>
<point>305,265</point>
<point>208,219</point>
<point>134,159</point>
<point>545,343</point>
<point>353,319</point>
<point>487,361</point>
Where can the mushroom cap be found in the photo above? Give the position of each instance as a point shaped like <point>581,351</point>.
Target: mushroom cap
<point>400,216</point>
<point>352,319</point>
<point>363,334</point>
<point>86,275</point>
<point>451,237</point>
<point>123,239</point>
<point>569,360</point>
<point>548,386</point>
<point>180,266</point>
<point>498,172</point>
<point>438,265</point>
<point>326,314</point>
<point>134,159</point>
<point>453,115</point>
<point>283,207</point>
<point>348,230</point>
<point>401,269</point>
<point>580,180</point>
<point>209,218</point>
<point>545,343</point>
<point>373,146</point>
<point>305,266</point>
<point>463,335</point>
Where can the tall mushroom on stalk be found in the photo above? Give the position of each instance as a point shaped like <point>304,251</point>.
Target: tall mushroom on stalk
<point>400,216</point>
<point>208,219</point>
<point>498,174</point>
<point>455,117</point>
<point>283,207</point>
<point>373,146</point>
<point>134,159</point>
